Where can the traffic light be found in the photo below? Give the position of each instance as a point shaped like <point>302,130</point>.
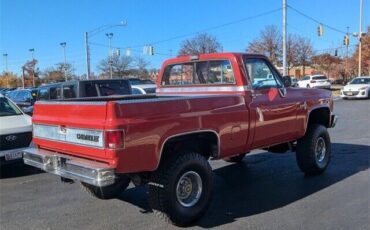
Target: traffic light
<point>346,40</point>
<point>151,50</point>
<point>320,30</point>
<point>118,52</point>
<point>336,52</point>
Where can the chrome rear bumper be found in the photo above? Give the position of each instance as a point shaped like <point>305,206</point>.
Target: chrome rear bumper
<point>75,168</point>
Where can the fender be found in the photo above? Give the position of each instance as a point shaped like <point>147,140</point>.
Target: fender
<point>184,134</point>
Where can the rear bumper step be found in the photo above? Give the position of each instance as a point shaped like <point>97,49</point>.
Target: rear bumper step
<point>75,168</point>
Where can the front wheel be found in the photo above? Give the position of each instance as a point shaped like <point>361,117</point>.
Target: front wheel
<point>180,191</point>
<point>314,150</point>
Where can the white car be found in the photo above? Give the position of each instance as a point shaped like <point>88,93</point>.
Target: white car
<point>315,81</point>
<point>143,89</point>
<point>15,131</point>
<point>359,87</point>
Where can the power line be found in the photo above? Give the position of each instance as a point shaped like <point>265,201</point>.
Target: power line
<point>206,29</point>
<point>317,21</point>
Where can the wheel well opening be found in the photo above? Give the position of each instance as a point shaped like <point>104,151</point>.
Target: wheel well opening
<point>204,143</point>
<point>319,116</point>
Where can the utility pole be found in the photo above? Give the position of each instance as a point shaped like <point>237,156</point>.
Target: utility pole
<point>92,33</point>
<point>346,72</point>
<point>359,42</point>
<point>284,38</point>
<point>64,44</point>
<point>110,35</point>
<point>87,48</point>
<point>6,69</point>
<point>33,67</point>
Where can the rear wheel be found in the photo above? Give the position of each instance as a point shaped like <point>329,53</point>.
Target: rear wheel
<point>107,192</point>
<point>236,159</point>
<point>308,86</point>
<point>314,150</point>
<point>180,191</point>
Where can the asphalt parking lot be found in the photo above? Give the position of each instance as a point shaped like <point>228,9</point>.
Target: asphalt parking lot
<point>267,191</point>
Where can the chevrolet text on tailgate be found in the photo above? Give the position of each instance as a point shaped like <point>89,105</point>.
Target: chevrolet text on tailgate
<point>210,106</point>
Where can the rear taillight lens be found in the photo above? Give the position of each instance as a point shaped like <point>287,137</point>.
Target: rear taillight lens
<point>114,139</point>
<point>312,81</point>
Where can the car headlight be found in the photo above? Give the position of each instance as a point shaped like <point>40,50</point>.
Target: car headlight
<point>363,88</point>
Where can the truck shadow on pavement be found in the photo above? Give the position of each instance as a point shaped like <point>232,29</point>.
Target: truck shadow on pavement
<point>17,170</point>
<point>266,181</point>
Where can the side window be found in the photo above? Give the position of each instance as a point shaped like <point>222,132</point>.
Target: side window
<point>69,91</point>
<point>43,94</point>
<point>90,90</point>
<point>306,78</point>
<point>55,93</point>
<point>261,76</point>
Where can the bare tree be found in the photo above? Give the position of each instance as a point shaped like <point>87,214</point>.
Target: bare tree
<point>30,71</point>
<point>202,43</point>
<point>141,66</point>
<point>121,66</point>
<point>268,43</point>
<point>292,45</point>
<point>304,52</point>
<point>326,63</point>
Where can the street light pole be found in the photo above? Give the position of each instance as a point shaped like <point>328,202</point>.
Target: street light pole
<point>110,35</point>
<point>64,44</point>
<point>284,38</point>
<point>33,70</point>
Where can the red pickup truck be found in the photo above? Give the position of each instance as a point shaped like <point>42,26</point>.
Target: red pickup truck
<point>209,106</point>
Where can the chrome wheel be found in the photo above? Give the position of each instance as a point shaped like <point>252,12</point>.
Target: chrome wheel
<point>189,189</point>
<point>320,151</point>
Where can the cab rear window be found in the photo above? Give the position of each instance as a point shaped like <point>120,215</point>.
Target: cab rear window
<point>199,73</point>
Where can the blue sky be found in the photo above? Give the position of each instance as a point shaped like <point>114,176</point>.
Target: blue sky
<point>42,25</point>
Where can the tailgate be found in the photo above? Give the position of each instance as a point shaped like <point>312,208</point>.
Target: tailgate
<point>75,128</point>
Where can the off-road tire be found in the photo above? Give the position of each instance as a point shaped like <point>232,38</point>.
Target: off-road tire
<point>107,192</point>
<point>163,193</point>
<point>307,148</point>
<point>236,159</point>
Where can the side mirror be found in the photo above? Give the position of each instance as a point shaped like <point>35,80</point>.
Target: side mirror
<point>287,81</point>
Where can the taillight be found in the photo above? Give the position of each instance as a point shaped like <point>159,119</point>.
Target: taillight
<point>114,139</point>
<point>312,81</point>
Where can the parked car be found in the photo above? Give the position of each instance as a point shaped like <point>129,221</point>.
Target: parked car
<point>294,81</point>
<point>85,88</point>
<point>143,89</point>
<point>315,81</point>
<point>359,87</point>
<point>24,98</point>
<point>138,81</point>
<point>15,131</point>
